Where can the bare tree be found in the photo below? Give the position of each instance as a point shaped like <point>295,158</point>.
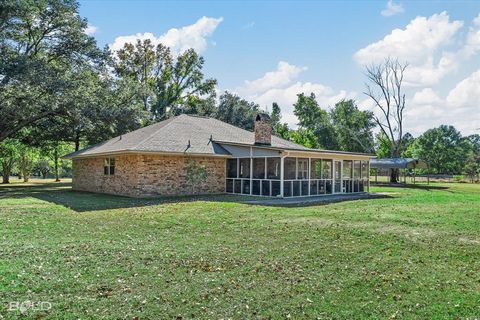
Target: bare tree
<point>385,89</point>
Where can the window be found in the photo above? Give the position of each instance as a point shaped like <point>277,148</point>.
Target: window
<point>302,171</point>
<point>109,167</point>
<point>232,168</point>
<point>273,168</point>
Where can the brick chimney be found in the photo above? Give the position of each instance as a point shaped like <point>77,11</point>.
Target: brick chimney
<point>263,129</point>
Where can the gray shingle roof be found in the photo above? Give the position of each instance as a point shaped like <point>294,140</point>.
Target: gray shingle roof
<point>173,136</point>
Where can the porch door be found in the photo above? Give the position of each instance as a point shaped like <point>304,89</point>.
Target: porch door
<point>337,176</point>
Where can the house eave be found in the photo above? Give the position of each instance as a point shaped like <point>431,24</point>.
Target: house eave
<point>121,152</point>
<point>307,152</point>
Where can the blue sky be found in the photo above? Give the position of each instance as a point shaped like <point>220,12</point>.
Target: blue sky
<point>270,51</point>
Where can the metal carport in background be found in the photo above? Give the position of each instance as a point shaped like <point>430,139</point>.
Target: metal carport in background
<point>398,163</point>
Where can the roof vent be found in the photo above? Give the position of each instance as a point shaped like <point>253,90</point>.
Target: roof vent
<point>263,129</point>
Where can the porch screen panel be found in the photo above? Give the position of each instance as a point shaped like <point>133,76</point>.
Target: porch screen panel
<point>357,175</point>
<point>232,168</point>
<point>356,169</point>
<point>229,185</point>
<point>365,177</point>
<point>259,168</point>
<point>265,187</point>
<point>275,188</point>
<point>256,185</point>
<point>244,168</point>
<point>290,168</point>
<point>273,168</point>
<point>365,173</point>
<point>302,170</point>
<point>287,188</point>
<point>327,169</point>
<point>347,176</point>
<point>338,176</point>
<point>316,170</point>
<point>347,169</point>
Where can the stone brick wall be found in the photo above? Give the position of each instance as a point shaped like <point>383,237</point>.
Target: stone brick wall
<point>142,175</point>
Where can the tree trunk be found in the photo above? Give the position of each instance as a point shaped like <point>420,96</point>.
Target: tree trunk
<point>55,155</point>
<point>5,174</point>
<point>23,169</point>
<point>393,175</point>
<point>77,144</point>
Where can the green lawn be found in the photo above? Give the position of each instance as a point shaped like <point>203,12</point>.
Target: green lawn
<point>415,254</point>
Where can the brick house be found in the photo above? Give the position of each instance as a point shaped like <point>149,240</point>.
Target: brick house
<point>153,161</point>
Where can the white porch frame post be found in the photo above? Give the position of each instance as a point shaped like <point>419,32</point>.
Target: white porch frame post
<point>309,173</point>
<point>282,172</point>
<point>340,161</point>
<point>334,177</point>
<point>251,170</point>
<point>263,181</point>
<point>341,176</point>
<point>369,175</point>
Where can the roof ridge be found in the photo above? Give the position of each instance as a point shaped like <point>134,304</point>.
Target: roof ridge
<point>195,116</point>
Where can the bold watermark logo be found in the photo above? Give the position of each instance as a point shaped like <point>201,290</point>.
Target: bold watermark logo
<point>25,306</point>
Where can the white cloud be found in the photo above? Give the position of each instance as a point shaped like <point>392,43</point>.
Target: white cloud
<point>191,36</point>
<point>424,111</point>
<point>420,44</point>
<point>466,93</point>
<point>280,86</point>
<point>283,75</point>
<point>249,25</point>
<point>472,43</point>
<point>460,108</point>
<point>463,108</point>
<point>90,30</point>
<point>392,9</point>
<point>476,21</point>
<point>435,48</point>
<point>426,96</point>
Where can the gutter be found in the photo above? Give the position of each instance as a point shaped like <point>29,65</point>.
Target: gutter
<point>121,152</point>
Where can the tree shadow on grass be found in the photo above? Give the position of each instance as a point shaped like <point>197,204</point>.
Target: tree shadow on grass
<point>61,193</point>
<point>426,187</point>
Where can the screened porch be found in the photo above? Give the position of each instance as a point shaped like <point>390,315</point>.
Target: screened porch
<point>295,176</point>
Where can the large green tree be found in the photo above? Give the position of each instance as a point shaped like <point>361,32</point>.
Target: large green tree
<point>279,129</point>
<point>315,120</point>
<point>237,111</point>
<point>161,83</point>
<point>443,148</point>
<point>9,155</point>
<point>353,127</point>
<point>41,43</point>
<point>472,165</point>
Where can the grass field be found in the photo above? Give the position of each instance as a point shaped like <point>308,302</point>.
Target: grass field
<point>415,254</point>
